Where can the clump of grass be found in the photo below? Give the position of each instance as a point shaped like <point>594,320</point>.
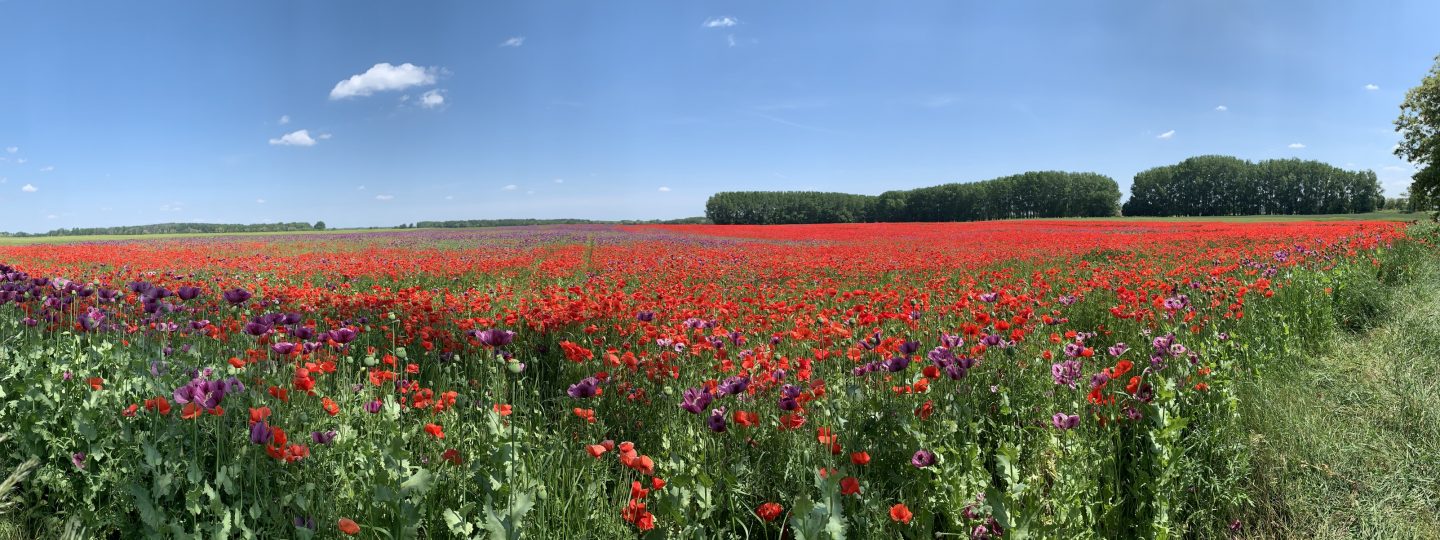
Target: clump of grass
<point>1345,442</point>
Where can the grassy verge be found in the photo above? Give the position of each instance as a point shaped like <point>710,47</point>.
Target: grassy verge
<point>1346,441</point>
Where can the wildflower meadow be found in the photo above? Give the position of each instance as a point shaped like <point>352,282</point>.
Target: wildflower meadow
<point>1021,379</point>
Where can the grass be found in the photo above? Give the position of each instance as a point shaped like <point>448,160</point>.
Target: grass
<point>31,240</point>
<point>1346,442</point>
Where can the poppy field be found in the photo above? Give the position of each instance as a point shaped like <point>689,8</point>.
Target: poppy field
<point>1022,379</point>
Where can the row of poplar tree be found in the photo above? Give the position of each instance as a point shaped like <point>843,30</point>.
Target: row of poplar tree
<point>1199,186</point>
<point>1031,194</point>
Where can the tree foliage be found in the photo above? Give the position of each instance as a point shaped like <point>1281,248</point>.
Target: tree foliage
<point>475,223</point>
<point>1419,127</point>
<point>1040,194</point>
<point>178,228</point>
<point>1229,186</point>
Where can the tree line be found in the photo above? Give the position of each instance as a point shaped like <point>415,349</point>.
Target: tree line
<point>177,228</point>
<point>1229,186</point>
<point>1036,194</point>
<point>524,222</point>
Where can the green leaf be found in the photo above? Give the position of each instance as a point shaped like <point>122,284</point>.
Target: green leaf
<point>418,483</point>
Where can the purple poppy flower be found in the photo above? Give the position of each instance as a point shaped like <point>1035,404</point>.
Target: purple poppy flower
<point>1066,373</point>
<point>734,385</point>
<point>342,335</point>
<point>909,347</point>
<point>283,348</point>
<point>922,458</point>
<point>237,296</point>
<point>260,432</point>
<point>495,337</point>
<point>1064,421</point>
<point>583,389</point>
<point>373,406</point>
<point>188,293</point>
<point>896,364</point>
<point>989,297</point>
<point>1118,349</point>
<point>716,421</point>
<point>303,333</point>
<point>256,328</point>
<point>305,522</point>
<point>234,386</point>
<point>695,400</point>
<point>645,316</point>
<point>323,437</point>
<point>78,459</point>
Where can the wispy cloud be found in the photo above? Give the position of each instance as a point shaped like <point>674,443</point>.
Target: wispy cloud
<point>1166,135</point>
<point>259,201</point>
<point>47,168</point>
<point>1221,108</point>
<point>730,40</point>
<point>284,119</point>
<point>514,42</point>
<point>1297,145</point>
<point>664,188</point>
<point>295,138</point>
<point>1371,87</point>
<point>384,77</point>
<point>12,149</point>
<point>779,120</point>
<point>720,22</point>
<point>384,197</point>
<point>559,180</point>
<point>510,187</point>
<point>28,188</point>
<point>432,99</point>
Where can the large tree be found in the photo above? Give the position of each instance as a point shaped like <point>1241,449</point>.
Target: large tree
<point>1419,127</point>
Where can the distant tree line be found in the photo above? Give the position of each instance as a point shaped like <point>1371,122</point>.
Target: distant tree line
<point>1229,186</point>
<point>474,223</point>
<point>177,228</point>
<point>1036,194</point>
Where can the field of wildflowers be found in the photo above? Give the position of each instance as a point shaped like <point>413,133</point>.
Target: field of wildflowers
<point>1036,379</point>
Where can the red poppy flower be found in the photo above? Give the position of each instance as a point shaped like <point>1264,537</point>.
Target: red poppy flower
<point>435,431</point>
<point>901,513</point>
<point>860,458</point>
<point>349,527</point>
<point>849,485</point>
<point>595,450</point>
<point>502,409</point>
<point>96,383</point>
<point>769,511</point>
<point>330,406</point>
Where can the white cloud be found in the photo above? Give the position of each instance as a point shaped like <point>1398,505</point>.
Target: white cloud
<point>323,136</point>
<point>1395,168</point>
<point>432,99</point>
<point>449,197</point>
<point>531,192</point>
<point>513,42</point>
<point>510,187</point>
<point>559,180</point>
<point>664,188</point>
<point>47,168</point>
<point>12,149</point>
<point>1166,135</point>
<point>170,207</point>
<point>1297,146</point>
<point>361,188</point>
<point>383,77</point>
<point>284,119</point>
<point>384,197</point>
<point>730,39</point>
<point>720,22</point>
<point>1371,87</point>
<point>21,160</point>
<point>29,188</point>
<point>1221,108</point>
<point>259,201</point>
<point>295,138</point>
<point>51,216</point>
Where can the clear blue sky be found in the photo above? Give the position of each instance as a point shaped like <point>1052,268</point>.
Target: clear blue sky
<point>116,113</point>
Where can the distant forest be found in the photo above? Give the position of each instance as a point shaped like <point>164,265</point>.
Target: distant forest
<point>1228,186</point>
<point>473,223</point>
<point>1199,186</point>
<point>178,228</point>
<point>1036,194</point>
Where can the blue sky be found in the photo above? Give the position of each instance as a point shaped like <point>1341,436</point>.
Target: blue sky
<point>116,113</point>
